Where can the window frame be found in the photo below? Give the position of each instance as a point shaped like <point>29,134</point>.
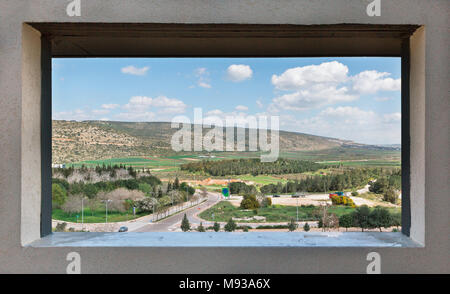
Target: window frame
<point>54,36</point>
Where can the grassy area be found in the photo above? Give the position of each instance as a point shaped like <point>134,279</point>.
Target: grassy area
<point>98,216</point>
<point>223,211</point>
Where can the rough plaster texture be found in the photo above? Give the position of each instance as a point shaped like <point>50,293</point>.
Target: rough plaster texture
<point>30,128</point>
<point>432,115</point>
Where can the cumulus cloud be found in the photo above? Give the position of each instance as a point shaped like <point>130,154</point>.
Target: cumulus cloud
<point>239,72</point>
<point>313,97</point>
<point>241,108</point>
<point>350,123</point>
<point>110,106</point>
<point>372,81</point>
<point>316,86</point>
<point>202,75</point>
<point>165,105</point>
<point>132,70</point>
<point>302,77</point>
<point>259,104</point>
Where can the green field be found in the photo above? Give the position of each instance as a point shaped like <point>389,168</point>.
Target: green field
<point>98,216</point>
<point>224,210</point>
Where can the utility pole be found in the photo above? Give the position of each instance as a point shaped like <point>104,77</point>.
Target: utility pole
<point>82,214</point>
<point>106,204</point>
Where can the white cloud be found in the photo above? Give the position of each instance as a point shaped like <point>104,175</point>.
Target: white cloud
<point>350,123</point>
<point>382,99</point>
<point>204,85</point>
<point>214,112</point>
<point>313,97</point>
<point>140,104</point>
<point>241,108</point>
<point>136,116</point>
<point>313,85</point>
<point>259,104</point>
<point>239,72</point>
<point>110,106</point>
<point>202,75</point>
<point>100,111</point>
<point>316,86</point>
<point>300,77</point>
<point>372,81</point>
<point>132,70</point>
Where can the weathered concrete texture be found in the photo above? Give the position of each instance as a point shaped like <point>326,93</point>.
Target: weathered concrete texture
<point>222,239</point>
<point>430,119</point>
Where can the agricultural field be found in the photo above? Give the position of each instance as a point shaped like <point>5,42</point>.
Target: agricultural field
<point>96,216</point>
<point>224,210</point>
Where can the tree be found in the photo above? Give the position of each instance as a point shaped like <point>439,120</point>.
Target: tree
<point>306,227</point>
<point>390,196</point>
<point>72,204</point>
<point>185,225</point>
<point>92,204</point>
<point>346,221</point>
<point>266,202</point>
<point>249,202</point>
<point>245,229</point>
<point>200,228</point>
<point>292,225</point>
<point>230,226</point>
<point>380,217</point>
<point>361,217</point>
<point>216,227</point>
<point>176,184</point>
<point>59,195</point>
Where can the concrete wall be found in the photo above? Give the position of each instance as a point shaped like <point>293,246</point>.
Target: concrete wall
<point>429,136</point>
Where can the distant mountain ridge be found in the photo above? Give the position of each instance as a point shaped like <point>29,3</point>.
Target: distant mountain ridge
<point>75,141</point>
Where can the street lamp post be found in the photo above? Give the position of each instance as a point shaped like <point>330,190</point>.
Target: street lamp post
<point>82,214</point>
<point>297,210</point>
<point>106,205</point>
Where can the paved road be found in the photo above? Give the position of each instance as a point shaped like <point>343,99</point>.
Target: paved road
<point>171,223</point>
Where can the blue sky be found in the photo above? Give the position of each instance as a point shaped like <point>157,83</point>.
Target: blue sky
<point>348,98</point>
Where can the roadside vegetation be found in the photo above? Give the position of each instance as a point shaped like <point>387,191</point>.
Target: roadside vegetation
<point>126,199</point>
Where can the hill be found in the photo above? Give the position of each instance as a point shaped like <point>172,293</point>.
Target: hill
<point>92,140</point>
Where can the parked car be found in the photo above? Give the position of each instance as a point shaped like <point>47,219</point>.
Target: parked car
<point>123,229</point>
<point>276,195</point>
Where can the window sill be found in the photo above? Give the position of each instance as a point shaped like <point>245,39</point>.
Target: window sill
<point>222,239</point>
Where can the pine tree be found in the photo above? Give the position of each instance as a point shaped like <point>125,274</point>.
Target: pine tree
<point>185,225</point>
<point>306,227</point>
<point>201,228</point>
<point>216,227</point>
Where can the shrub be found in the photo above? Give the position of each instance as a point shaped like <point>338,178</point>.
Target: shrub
<point>245,229</point>
<point>60,227</point>
<point>361,217</point>
<point>292,225</point>
<point>355,193</point>
<point>306,227</point>
<point>266,202</point>
<point>200,228</point>
<point>185,225</point>
<point>216,227</point>
<point>390,196</point>
<point>380,217</point>
<point>59,195</point>
<point>249,202</point>
<point>346,221</point>
<point>230,226</point>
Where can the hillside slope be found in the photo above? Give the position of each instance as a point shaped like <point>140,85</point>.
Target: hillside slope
<point>90,140</point>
